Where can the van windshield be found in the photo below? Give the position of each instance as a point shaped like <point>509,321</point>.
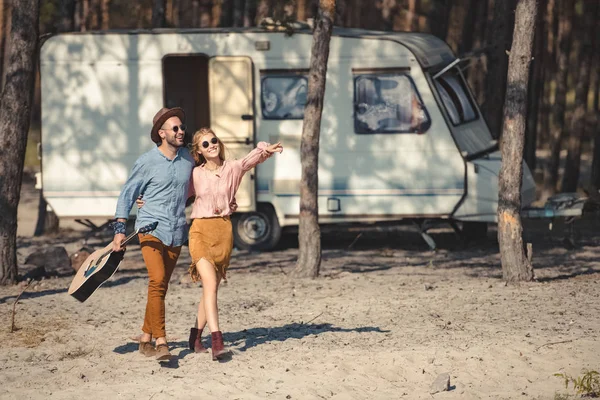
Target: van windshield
<point>461,111</point>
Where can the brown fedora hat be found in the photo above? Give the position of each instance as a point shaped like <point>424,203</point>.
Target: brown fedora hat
<point>161,116</point>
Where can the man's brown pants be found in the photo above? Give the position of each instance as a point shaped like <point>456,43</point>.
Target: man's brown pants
<point>160,261</point>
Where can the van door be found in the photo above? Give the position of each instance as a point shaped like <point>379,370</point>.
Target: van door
<point>232,117</point>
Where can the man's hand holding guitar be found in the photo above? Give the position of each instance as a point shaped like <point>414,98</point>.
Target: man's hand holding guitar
<point>119,228</point>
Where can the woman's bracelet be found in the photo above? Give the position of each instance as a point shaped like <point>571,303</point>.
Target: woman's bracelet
<point>118,227</point>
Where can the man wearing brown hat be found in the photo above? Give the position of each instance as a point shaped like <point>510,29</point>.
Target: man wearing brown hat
<point>162,177</point>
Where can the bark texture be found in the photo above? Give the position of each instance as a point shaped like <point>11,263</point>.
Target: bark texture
<point>309,233</point>
<point>560,99</point>
<point>516,266</point>
<point>578,121</point>
<point>536,87</point>
<point>15,114</point>
<point>158,14</point>
<point>495,82</point>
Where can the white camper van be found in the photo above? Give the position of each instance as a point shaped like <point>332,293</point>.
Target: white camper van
<point>401,135</point>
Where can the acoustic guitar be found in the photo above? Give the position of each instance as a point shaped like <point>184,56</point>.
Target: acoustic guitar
<point>100,266</point>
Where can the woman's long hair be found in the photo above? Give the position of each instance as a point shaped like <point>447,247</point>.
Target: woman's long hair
<point>197,145</point>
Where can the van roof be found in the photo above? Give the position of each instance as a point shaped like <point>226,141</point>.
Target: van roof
<point>429,50</point>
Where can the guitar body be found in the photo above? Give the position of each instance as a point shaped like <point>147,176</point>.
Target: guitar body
<point>97,269</point>
<point>100,266</point>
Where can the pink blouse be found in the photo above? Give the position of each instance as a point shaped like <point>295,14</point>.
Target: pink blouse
<point>215,190</point>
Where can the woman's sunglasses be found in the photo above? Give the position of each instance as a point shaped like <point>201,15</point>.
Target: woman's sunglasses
<point>214,140</point>
<point>176,128</point>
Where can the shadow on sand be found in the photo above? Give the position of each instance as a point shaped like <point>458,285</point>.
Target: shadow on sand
<point>243,340</point>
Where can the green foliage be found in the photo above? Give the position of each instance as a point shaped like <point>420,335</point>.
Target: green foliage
<point>588,384</point>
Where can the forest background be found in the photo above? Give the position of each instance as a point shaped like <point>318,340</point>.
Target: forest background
<point>562,137</point>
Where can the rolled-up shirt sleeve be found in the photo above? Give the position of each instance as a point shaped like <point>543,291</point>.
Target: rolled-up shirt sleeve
<point>131,190</point>
<point>255,157</point>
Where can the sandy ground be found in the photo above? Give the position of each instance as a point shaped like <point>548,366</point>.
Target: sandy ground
<point>385,318</point>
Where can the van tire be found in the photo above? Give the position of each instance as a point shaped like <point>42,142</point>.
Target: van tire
<point>257,230</point>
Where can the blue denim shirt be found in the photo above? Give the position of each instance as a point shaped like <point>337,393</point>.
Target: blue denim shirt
<point>164,184</point>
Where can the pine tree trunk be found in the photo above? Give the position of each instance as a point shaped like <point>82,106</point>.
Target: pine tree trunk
<point>250,13</point>
<point>6,21</point>
<point>309,233</point>
<point>535,90</point>
<point>476,75</point>
<point>301,10</point>
<point>226,19</point>
<point>560,98</point>
<point>204,13</point>
<point>515,264</point>
<point>439,18</point>
<point>595,173</point>
<point>65,19</point>
<point>104,12</point>
<point>495,82</point>
<point>84,22</point>
<point>411,16</point>
<point>3,35</point>
<point>460,29</point>
<point>158,14</point>
<point>15,114</point>
<point>238,13</point>
<point>578,123</point>
<point>549,62</point>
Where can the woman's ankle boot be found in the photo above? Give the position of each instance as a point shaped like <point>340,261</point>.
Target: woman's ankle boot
<point>218,349</point>
<point>195,341</point>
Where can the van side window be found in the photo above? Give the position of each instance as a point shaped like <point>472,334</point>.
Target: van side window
<point>455,97</point>
<point>283,96</point>
<point>388,103</point>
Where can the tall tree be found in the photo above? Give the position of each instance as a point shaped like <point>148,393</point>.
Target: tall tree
<point>158,14</point>
<point>6,21</point>
<point>516,266</point>
<point>460,27</point>
<point>497,62</point>
<point>301,10</point>
<point>477,71</point>
<point>560,98</point>
<point>535,88</point>
<point>84,13</point>
<point>65,18</point>
<point>226,13</point>
<point>439,18</point>
<point>4,29</point>
<point>595,175</point>
<point>249,13</point>
<point>104,14</point>
<point>578,121</point>
<point>309,233</point>
<point>549,62</point>
<point>15,110</point>
<point>238,12</point>
<point>411,16</point>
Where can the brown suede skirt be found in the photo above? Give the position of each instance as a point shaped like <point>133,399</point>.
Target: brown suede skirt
<point>211,239</point>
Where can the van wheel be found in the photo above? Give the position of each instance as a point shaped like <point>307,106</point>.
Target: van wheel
<point>257,230</point>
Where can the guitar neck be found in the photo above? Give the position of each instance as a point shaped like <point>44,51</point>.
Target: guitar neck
<point>128,238</point>
<point>123,243</point>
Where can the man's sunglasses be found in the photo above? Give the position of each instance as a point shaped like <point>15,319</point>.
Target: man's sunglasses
<point>176,128</point>
<point>214,140</point>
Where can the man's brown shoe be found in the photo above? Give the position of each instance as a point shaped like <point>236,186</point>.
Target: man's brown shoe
<point>147,349</point>
<point>162,352</point>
